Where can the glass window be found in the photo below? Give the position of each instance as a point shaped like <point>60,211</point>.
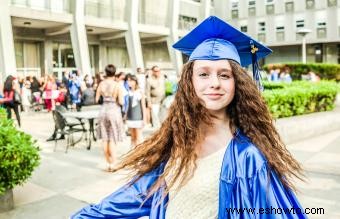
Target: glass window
<point>19,54</point>
<point>186,22</point>
<point>252,11</point>
<point>280,33</point>
<point>244,29</point>
<point>38,4</point>
<point>321,30</point>
<point>309,4</point>
<point>19,3</point>
<point>289,6</point>
<point>270,9</point>
<point>91,8</point>
<point>332,3</point>
<point>261,37</point>
<point>300,24</point>
<point>261,27</point>
<point>234,13</point>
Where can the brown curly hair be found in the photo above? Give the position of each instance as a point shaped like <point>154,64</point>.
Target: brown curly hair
<point>174,143</point>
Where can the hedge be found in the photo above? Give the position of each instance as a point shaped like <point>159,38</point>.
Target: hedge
<point>325,71</point>
<point>19,154</point>
<point>301,97</point>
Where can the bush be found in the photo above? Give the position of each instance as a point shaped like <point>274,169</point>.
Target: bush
<point>18,154</point>
<point>300,98</point>
<point>325,71</point>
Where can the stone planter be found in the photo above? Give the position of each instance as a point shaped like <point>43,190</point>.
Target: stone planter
<point>6,201</point>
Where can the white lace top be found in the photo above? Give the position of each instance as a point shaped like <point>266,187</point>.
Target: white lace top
<point>199,197</point>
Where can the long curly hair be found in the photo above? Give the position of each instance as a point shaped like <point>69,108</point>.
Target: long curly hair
<point>176,141</point>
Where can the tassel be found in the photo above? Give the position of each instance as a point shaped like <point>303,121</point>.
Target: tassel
<point>256,67</point>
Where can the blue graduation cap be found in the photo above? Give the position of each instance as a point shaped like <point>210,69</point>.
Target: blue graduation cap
<point>214,39</point>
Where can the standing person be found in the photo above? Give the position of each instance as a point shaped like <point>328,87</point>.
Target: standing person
<point>48,87</point>
<point>36,93</point>
<point>136,110</point>
<point>155,93</point>
<point>74,86</point>
<point>26,95</point>
<point>218,150</point>
<point>10,100</point>
<point>110,124</point>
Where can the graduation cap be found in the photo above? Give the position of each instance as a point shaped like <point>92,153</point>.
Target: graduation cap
<point>214,39</point>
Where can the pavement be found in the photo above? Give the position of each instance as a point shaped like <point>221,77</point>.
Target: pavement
<point>66,182</point>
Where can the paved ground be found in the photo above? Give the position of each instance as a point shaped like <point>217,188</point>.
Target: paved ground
<point>64,183</point>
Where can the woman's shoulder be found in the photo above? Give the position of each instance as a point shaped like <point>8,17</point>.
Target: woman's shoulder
<point>248,157</point>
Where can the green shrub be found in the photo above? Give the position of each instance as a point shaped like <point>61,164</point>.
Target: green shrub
<point>300,98</point>
<point>19,154</point>
<point>325,71</point>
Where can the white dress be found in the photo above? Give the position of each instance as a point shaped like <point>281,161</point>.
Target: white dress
<point>199,197</point>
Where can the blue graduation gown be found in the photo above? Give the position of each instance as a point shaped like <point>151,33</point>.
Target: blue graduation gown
<point>246,182</point>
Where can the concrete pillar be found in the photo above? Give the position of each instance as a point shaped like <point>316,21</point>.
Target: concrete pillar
<point>7,50</point>
<point>176,56</point>
<point>48,56</point>
<point>102,57</point>
<point>204,9</point>
<point>221,8</point>
<point>132,35</point>
<point>79,38</point>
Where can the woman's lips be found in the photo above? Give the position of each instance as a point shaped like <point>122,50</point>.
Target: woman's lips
<point>214,96</point>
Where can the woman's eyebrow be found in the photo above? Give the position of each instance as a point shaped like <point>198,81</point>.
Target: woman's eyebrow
<point>225,70</point>
<point>202,68</point>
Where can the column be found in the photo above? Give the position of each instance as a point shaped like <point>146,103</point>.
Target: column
<point>221,8</point>
<point>48,56</point>
<point>79,38</point>
<point>204,9</point>
<point>176,56</point>
<point>102,56</point>
<point>132,35</point>
<point>7,50</point>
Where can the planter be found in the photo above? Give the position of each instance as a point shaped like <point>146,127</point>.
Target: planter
<point>6,201</point>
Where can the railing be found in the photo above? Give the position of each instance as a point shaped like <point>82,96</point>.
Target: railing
<point>23,72</point>
<point>61,6</point>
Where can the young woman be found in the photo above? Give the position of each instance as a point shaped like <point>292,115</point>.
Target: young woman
<point>11,88</point>
<point>218,151</point>
<point>110,123</point>
<point>136,110</point>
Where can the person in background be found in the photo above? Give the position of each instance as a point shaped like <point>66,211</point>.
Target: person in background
<point>36,93</point>
<point>75,91</point>
<point>155,93</point>
<point>136,110</point>
<point>48,87</point>
<point>26,96</point>
<point>110,127</point>
<point>88,96</point>
<point>11,89</point>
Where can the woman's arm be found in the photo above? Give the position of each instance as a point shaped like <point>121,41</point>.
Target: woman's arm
<point>98,92</point>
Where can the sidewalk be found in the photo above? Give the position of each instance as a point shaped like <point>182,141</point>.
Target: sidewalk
<point>64,183</point>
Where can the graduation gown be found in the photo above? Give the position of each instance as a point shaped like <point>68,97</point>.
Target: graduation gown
<point>246,184</point>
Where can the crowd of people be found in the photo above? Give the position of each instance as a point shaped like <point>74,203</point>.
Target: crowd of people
<point>141,95</point>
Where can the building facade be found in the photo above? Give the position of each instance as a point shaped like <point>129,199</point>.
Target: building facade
<point>39,37</point>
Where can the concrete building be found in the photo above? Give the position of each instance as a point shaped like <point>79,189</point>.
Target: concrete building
<point>44,36</point>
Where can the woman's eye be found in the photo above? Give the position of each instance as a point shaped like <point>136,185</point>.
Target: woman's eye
<point>224,76</point>
<point>203,74</point>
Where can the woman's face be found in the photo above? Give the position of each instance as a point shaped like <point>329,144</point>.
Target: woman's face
<point>214,83</point>
<point>131,83</point>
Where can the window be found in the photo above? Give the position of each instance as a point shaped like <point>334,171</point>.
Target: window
<point>280,33</point>
<point>309,4</point>
<point>300,24</point>
<point>332,3</point>
<point>289,6</point>
<point>234,5</point>
<point>251,8</point>
<point>244,29</point>
<point>261,27</point>
<point>234,13</point>
<point>261,37</point>
<point>186,22</point>
<point>270,9</point>
<point>321,30</point>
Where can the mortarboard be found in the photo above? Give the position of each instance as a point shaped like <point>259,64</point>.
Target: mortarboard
<point>214,39</point>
